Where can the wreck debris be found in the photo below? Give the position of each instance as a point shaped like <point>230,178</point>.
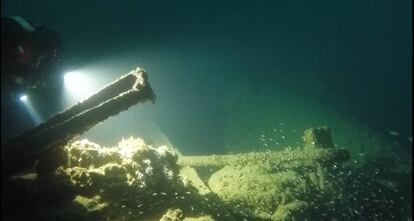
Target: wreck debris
<point>22,151</point>
<point>191,178</point>
<point>282,185</point>
<point>136,181</point>
<point>131,176</point>
<point>319,137</point>
<point>135,177</point>
<point>173,215</point>
<point>285,158</point>
<point>143,166</point>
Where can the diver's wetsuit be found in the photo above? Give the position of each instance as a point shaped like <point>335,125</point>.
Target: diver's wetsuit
<point>29,62</point>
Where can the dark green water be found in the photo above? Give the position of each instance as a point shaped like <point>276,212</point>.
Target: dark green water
<point>239,76</point>
<point>352,56</point>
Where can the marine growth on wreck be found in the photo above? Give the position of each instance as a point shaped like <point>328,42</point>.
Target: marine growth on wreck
<point>137,181</point>
<point>49,175</point>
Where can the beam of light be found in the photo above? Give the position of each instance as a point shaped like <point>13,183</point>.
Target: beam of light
<point>78,86</point>
<point>77,83</point>
<point>82,82</point>
<point>29,107</point>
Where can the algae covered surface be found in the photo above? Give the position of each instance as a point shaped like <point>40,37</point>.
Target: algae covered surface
<point>137,181</point>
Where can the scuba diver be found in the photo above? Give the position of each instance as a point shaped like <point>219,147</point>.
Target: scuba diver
<point>30,67</point>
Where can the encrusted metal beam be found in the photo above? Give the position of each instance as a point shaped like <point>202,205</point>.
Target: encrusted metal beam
<point>22,151</point>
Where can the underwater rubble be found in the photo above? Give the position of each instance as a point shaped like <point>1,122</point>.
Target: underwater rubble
<point>136,181</point>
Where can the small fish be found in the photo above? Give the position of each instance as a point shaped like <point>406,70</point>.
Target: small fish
<point>393,133</point>
<point>410,139</point>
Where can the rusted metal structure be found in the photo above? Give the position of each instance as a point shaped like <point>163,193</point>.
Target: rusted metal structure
<point>22,152</point>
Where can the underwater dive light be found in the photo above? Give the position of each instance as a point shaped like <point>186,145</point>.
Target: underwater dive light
<point>23,98</point>
<point>78,85</point>
<point>73,80</point>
